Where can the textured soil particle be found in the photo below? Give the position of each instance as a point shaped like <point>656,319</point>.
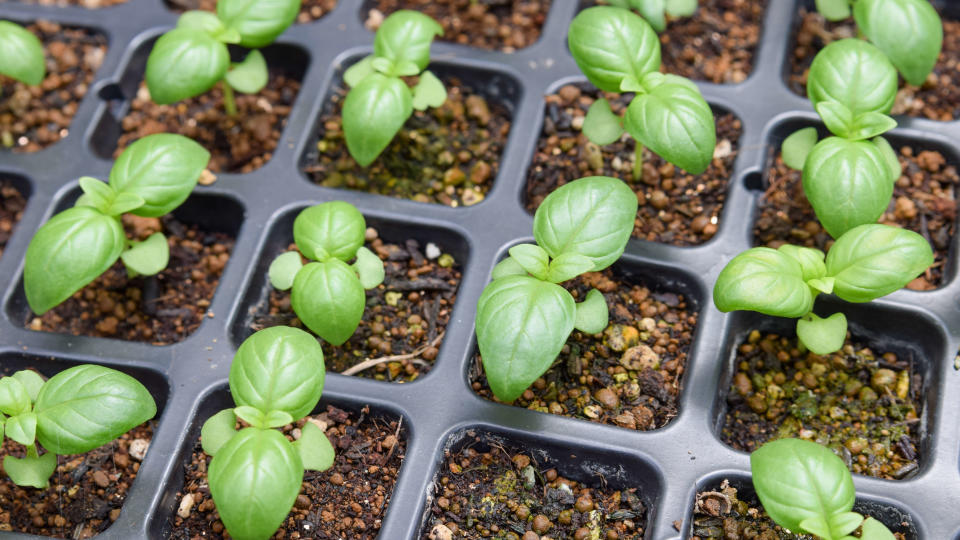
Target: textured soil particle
<point>631,374</point>
<point>310,10</point>
<point>924,201</point>
<point>34,117</point>
<point>12,203</point>
<point>349,500</point>
<point>675,207</point>
<point>160,310</point>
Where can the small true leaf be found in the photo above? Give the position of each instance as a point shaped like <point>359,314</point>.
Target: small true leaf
<point>284,269</point>
<point>822,336</point>
<point>330,229</point>
<point>30,471</point>
<point>149,257</point>
<point>328,297</point>
<point>652,11</point>
<point>532,258</point>
<point>844,523</point>
<point>314,447</point>
<point>185,63</point>
<point>872,529</point>
<point>908,31</point>
<point>568,266</point>
<point>31,380</point>
<point>611,44</point>
<point>855,73</point>
<point>837,117</point>
<point>275,419</point>
<point>834,10</point>
<point>765,280</point>
<point>869,125</point>
<point>124,202</point>
<point>507,267</point>
<point>373,112</point>
<point>249,76</point>
<point>217,430</point>
<point>259,22</point>
<point>21,54</point>
<point>201,20</point>
<point>369,268</point>
<point>14,396</point>
<point>680,8</point>
<point>429,92</point>
<point>358,71</point>
<point>797,146</point>
<point>601,125</point>
<point>251,415</point>
<point>811,260</point>
<point>22,428</point>
<point>592,314</point>
<point>406,35</point>
<point>162,169</point>
<point>99,195</point>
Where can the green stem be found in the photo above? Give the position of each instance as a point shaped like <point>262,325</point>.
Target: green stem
<point>32,452</point>
<point>228,102</point>
<point>638,161</point>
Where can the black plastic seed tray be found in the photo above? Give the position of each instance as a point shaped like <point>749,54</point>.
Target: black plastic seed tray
<point>669,465</point>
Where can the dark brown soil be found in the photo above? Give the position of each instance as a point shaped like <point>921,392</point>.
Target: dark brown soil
<point>448,155</point>
<point>864,406</point>
<point>630,375</point>
<point>85,493</point>
<point>675,207</point>
<point>716,44</point>
<point>239,144</point>
<point>348,500</point>
<point>310,10</point>
<point>32,118</point>
<point>923,201</point>
<point>90,4</point>
<point>160,310</point>
<point>487,489</point>
<point>12,203</point>
<point>502,25</point>
<point>939,96</point>
<point>405,318</point>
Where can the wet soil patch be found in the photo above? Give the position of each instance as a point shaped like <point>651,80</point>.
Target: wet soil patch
<point>505,26</point>
<point>865,405</point>
<point>310,10</point>
<point>349,500</point>
<point>160,310</point>
<point>34,117</point>
<point>924,201</point>
<point>405,319</point>
<point>448,155</point>
<point>85,493</point>
<point>937,99</point>
<point>631,374</point>
<point>675,207</point>
<point>12,203</point>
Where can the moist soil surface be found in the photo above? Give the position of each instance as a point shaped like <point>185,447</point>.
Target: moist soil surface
<point>487,490</point>
<point>310,10</point>
<point>923,201</point>
<point>938,98</point>
<point>12,203</point>
<point>405,318</point>
<point>34,117</point>
<point>349,500</point>
<point>501,25</point>
<point>448,155</point>
<point>862,404</point>
<point>675,207</point>
<point>238,144</point>
<point>716,44</point>
<point>162,309</point>
<point>85,493</point>
<point>630,375</point>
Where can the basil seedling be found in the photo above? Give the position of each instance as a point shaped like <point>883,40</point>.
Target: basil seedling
<point>619,52</point>
<point>379,101</point>
<point>276,379</point>
<point>867,262</point>
<point>328,294</point>
<point>909,32</point>
<point>190,59</point>
<point>151,177</point>
<point>655,11</point>
<point>21,54</point>
<point>848,178</point>
<point>75,411</point>
<point>806,488</point>
<point>523,316</point>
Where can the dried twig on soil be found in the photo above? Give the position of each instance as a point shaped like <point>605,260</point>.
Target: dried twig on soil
<point>367,364</point>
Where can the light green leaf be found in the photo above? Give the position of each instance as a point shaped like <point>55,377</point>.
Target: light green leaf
<point>22,428</point>
<point>251,415</point>
<point>797,146</point>
<point>507,267</point>
<point>30,471</point>
<point>31,380</point>
<point>652,12</point>
<point>676,123</point>
<point>822,336</point>
<point>185,63</point>
<point>874,530</point>
<point>163,169</point>
<point>275,419</point>
<point>217,430</point>
<point>854,73</point>
<point>405,68</point>
<point>429,92</point>
<point>284,269</point>
<point>816,525</point>
<point>259,22</point>
<point>99,194</point>
<point>568,266</point>
<point>149,257</point>
<point>837,117</point>
<point>532,258</point>
<point>680,8</point>
<point>123,203</point>
<point>869,125</point>
<point>14,396</point>
<point>871,261</point>
<point>601,125</point>
<point>369,268</point>
<point>834,10</point>
<point>249,76</point>
<point>889,156</point>
<point>406,35</point>
<point>810,260</point>
<point>822,285</point>
<point>315,450</point>
<point>331,229</point>
<point>843,523</point>
<point>328,297</point>
<point>592,314</point>
<point>203,21</point>
<point>764,280</point>
<point>373,113</point>
<point>908,31</point>
<point>358,71</point>
<point>21,54</point>
<point>384,66</point>
<point>611,44</point>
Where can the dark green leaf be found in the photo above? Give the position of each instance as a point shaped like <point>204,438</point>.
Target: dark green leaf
<point>369,268</point>
<point>533,259</point>
<point>611,44</point>
<point>328,297</point>
<point>797,146</point>
<point>429,92</point>
<point>314,448</point>
<point>149,257</point>
<point>822,336</point>
<point>765,280</point>
<point>568,266</point>
<point>249,76</point>
<point>331,229</point>
<point>258,21</point>
<point>185,63</point>
<point>854,73</point>
<point>601,125</point>
<point>406,35</point>
<point>592,314</point>
<point>871,261</point>
<point>14,396</point>
<point>21,54</point>
<point>162,168</point>
<point>834,10</point>
<point>22,428</point>
<point>32,381</point>
<point>284,269</point>
<point>373,112</point>
<point>676,123</point>
<point>30,471</point>
<point>217,430</point>
<point>908,31</point>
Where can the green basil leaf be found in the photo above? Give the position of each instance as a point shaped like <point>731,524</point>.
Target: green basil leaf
<point>22,428</point>
<point>765,280</point>
<point>797,146</point>
<point>533,259</point>
<point>429,92</point>
<point>890,157</point>
<point>358,71</point>
<point>275,419</point>
<point>31,380</point>
<point>254,480</point>
<point>201,20</point>
<point>908,31</point>
<point>14,396</point>
<point>185,63</point>
<point>86,406</point>
<point>843,523</point>
<point>822,285</point>
<point>837,117</point>
<point>871,261</point>
<point>816,525</point>
<point>592,314</point>
<point>854,73</point>
<point>30,471</point>
<point>822,336</point>
<point>328,297</point>
<point>373,113</point>
<point>869,125</point>
<point>601,125</point>
<point>522,323</point>
<point>405,68</point>
<point>369,268</point>
<point>610,44</point>
<point>124,202</point>
<point>217,431</point>
<point>507,267</point>
<point>284,269</point>
<point>314,447</point>
<point>834,10</point>
<point>67,253</point>
<point>847,183</point>
<point>21,54</point>
<point>591,216</point>
<point>278,369</point>
<point>330,229</point>
<point>568,266</point>
<point>3,420</point>
<point>872,529</point>
<point>797,480</point>
<point>652,11</point>
<point>384,66</point>
<point>680,8</point>
<point>676,123</point>
<point>149,257</point>
<point>99,194</point>
<point>249,76</point>
<point>259,22</point>
<point>251,415</point>
<point>405,36</point>
<point>810,260</point>
<point>162,168</point>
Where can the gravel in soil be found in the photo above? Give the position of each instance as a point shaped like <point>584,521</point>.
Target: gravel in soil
<point>448,155</point>
<point>12,203</point>
<point>501,25</point>
<point>924,201</point>
<point>89,4</point>
<point>162,309</point>
<point>487,489</point>
<point>716,44</point>
<point>675,207</point>
<point>34,117</point>
<point>310,10</point>
<point>630,375</point>
<point>865,406</point>
<point>938,98</point>
<point>86,492</point>
<point>349,500</point>
<point>405,319</point>
<point>238,144</point>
